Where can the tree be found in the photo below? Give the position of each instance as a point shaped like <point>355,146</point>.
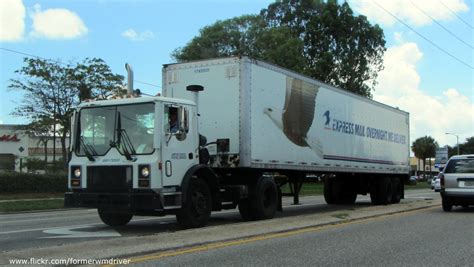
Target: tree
<point>41,128</point>
<point>468,146</point>
<point>321,39</point>
<point>464,148</point>
<point>423,148</point>
<point>245,36</point>
<point>52,90</point>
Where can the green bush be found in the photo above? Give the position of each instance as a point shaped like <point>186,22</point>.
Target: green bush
<point>35,164</point>
<point>11,182</point>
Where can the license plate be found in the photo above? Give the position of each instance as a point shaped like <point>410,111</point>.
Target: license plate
<point>468,183</point>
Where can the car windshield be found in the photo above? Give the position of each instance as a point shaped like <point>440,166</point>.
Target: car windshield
<point>100,128</point>
<point>460,166</point>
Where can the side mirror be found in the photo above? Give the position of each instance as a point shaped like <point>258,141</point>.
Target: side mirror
<point>183,119</point>
<point>441,169</point>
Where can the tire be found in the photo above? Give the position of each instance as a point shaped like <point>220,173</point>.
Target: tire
<point>265,200</point>
<point>348,198</point>
<point>196,210</point>
<point>338,191</point>
<point>381,191</point>
<point>328,191</point>
<point>397,190</point>
<point>114,218</point>
<point>447,205</point>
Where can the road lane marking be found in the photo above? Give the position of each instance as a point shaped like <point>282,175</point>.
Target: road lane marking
<point>223,244</point>
<point>70,226</point>
<point>69,232</point>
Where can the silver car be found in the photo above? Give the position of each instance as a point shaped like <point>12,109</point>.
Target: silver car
<point>457,182</point>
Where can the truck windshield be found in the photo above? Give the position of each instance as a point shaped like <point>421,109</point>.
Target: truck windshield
<point>98,129</point>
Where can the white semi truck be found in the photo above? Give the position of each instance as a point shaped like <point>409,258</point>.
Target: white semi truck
<point>230,133</point>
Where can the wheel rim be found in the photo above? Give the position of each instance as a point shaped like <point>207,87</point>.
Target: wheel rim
<point>199,202</point>
<point>268,197</point>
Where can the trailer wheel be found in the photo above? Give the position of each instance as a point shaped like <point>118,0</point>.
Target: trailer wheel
<point>349,197</point>
<point>114,218</point>
<point>329,197</point>
<point>196,210</point>
<point>397,190</point>
<point>266,198</point>
<point>381,191</point>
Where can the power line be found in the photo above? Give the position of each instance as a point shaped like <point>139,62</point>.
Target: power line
<point>61,63</point>
<point>465,22</point>
<point>30,55</point>
<point>439,24</point>
<point>426,39</point>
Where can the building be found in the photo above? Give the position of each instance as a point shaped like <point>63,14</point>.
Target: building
<point>416,166</point>
<point>16,147</point>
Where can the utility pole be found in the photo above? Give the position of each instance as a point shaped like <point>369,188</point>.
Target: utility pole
<point>457,140</point>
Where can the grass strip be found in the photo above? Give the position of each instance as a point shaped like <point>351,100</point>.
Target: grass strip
<point>15,206</point>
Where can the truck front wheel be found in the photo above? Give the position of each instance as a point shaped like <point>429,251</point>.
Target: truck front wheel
<point>196,209</point>
<point>114,218</point>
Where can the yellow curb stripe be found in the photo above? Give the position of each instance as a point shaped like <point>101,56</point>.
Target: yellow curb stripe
<point>223,244</point>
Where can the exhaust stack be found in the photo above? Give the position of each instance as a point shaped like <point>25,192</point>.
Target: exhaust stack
<point>195,89</point>
<point>129,69</point>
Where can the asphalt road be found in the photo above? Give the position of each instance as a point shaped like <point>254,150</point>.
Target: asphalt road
<point>428,237</point>
<point>79,229</point>
<point>45,229</point>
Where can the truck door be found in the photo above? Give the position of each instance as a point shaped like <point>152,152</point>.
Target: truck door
<point>179,147</point>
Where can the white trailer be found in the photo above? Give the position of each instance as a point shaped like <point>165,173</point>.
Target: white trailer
<point>246,128</point>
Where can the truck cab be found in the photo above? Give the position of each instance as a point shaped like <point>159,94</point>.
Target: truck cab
<point>129,156</point>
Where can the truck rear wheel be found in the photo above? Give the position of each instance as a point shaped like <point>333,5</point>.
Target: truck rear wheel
<point>397,190</point>
<point>329,196</point>
<point>381,191</point>
<point>114,218</point>
<point>196,209</point>
<point>339,191</point>
<point>266,198</point>
<point>262,201</point>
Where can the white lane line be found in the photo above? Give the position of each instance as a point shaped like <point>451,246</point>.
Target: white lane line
<point>66,226</point>
<point>70,232</point>
<point>82,216</point>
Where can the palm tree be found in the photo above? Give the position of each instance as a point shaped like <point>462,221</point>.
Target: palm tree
<point>424,147</point>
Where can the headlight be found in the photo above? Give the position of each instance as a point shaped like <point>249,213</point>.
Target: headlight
<point>77,173</point>
<point>145,172</point>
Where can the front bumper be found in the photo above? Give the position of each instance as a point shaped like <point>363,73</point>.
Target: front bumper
<point>136,202</point>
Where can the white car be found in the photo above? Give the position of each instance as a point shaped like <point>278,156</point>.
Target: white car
<point>433,182</point>
<point>437,185</point>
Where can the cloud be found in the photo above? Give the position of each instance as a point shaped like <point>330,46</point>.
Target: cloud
<point>12,20</point>
<point>132,35</point>
<point>406,11</point>
<point>57,23</point>
<point>429,115</point>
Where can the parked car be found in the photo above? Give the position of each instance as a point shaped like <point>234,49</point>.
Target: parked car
<point>437,185</point>
<point>432,181</point>
<point>413,180</point>
<point>457,182</point>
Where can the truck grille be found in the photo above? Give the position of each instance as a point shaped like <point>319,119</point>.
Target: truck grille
<point>109,178</point>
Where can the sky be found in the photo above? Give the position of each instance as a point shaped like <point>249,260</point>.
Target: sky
<point>428,65</point>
